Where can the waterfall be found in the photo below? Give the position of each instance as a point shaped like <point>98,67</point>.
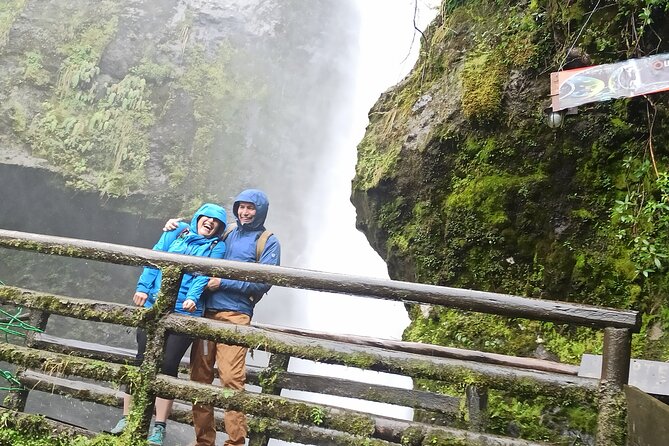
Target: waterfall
<point>388,47</point>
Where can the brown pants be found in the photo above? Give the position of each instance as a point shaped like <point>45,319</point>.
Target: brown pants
<point>231,360</point>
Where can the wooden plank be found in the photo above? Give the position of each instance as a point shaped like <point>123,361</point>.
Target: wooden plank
<point>181,412</point>
<point>65,364</point>
<point>56,427</point>
<point>647,419</point>
<point>527,382</point>
<point>83,391</point>
<point>84,349</point>
<point>388,429</point>
<point>470,300</point>
<point>435,350</point>
<point>286,380</point>
<point>370,392</point>
<point>120,355</point>
<point>87,309</point>
<point>280,430</point>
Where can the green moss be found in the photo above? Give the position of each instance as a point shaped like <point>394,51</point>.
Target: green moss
<point>482,79</point>
<point>9,10</point>
<point>611,426</point>
<point>488,195</point>
<point>375,162</point>
<point>103,139</point>
<point>34,70</point>
<point>215,92</point>
<point>79,308</point>
<point>443,439</point>
<point>19,429</point>
<point>18,115</point>
<point>153,72</point>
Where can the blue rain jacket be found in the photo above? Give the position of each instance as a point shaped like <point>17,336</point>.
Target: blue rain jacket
<point>186,240</point>
<point>236,295</point>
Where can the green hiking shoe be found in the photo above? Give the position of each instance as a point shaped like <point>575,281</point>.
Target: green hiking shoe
<point>157,437</point>
<point>120,426</point>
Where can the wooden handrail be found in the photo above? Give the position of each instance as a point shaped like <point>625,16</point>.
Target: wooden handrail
<point>471,300</point>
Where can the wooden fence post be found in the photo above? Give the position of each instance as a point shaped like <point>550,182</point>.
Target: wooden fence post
<point>144,394</point>
<point>16,400</point>
<point>477,407</point>
<point>277,363</point>
<point>611,422</point>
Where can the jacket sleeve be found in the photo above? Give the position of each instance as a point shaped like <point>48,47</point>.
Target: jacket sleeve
<point>200,282</point>
<point>147,280</point>
<point>271,255</point>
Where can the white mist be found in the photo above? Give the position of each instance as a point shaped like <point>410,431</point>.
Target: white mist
<point>388,48</point>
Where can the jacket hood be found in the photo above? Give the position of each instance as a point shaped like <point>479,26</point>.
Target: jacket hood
<point>209,210</point>
<point>261,202</point>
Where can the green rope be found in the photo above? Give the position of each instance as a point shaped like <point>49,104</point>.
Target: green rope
<point>14,323</point>
<point>10,327</point>
<point>16,384</point>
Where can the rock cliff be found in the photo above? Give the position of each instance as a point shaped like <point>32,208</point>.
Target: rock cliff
<point>461,182</point>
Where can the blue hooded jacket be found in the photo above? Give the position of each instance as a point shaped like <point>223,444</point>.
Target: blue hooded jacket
<point>237,295</point>
<point>185,240</point>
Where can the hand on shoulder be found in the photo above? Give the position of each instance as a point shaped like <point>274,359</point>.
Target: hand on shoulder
<point>171,224</point>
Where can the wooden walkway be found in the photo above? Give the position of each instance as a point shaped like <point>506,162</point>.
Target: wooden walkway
<point>67,366</point>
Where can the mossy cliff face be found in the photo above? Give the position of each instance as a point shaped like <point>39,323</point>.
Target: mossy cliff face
<point>166,99</point>
<point>460,182</point>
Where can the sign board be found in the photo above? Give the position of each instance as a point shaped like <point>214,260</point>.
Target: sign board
<point>633,77</point>
<point>650,376</point>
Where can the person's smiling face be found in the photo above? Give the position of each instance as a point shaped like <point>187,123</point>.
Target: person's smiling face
<point>208,226</point>
<point>246,212</point>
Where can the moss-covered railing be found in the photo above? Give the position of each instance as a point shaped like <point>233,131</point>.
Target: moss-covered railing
<point>281,417</point>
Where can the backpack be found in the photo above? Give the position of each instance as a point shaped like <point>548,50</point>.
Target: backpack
<point>260,247</point>
<point>260,242</point>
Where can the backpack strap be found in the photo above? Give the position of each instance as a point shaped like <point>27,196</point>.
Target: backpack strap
<point>228,229</point>
<point>260,247</point>
<point>261,242</point>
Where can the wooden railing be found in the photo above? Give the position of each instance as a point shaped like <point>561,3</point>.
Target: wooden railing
<point>277,417</point>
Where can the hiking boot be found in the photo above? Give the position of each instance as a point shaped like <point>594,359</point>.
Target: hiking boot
<point>157,437</point>
<point>120,427</point>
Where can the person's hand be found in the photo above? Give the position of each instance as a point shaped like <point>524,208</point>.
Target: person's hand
<point>139,298</point>
<point>189,305</point>
<point>213,284</point>
<point>171,224</point>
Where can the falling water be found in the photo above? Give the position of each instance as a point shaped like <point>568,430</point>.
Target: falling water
<point>388,47</point>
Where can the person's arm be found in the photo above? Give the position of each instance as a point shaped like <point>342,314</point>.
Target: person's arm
<point>172,224</point>
<point>271,255</point>
<point>200,282</point>
<point>147,282</point>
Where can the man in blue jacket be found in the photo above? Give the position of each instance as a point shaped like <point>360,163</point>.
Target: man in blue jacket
<point>232,301</point>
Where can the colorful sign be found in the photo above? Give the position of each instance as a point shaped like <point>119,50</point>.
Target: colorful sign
<point>633,77</point>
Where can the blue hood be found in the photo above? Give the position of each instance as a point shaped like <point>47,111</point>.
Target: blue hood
<point>261,202</point>
<point>209,210</point>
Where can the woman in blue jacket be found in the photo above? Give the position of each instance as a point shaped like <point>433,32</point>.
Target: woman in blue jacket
<point>200,238</point>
